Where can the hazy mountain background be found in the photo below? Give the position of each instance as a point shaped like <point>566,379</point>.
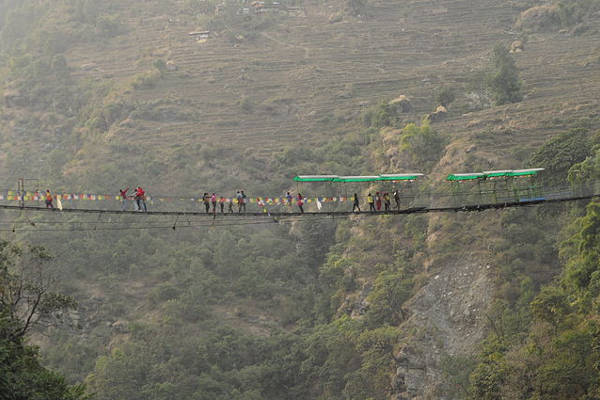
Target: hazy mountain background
<point>502,304</point>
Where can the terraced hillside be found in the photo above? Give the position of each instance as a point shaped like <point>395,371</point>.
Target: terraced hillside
<point>299,79</point>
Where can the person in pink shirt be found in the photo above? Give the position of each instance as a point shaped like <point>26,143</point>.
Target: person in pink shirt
<point>213,201</point>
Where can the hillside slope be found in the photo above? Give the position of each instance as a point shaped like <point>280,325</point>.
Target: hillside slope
<point>99,96</point>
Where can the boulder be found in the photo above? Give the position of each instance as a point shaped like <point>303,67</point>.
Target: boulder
<point>120,326</point>
<point>89,67</point>
<point>438,115</point>
<point>334,18</point>
<point>517,46</point>
<point>171,66</point>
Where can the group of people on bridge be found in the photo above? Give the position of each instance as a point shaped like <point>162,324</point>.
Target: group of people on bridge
<point>240,198</point>
<point>212,202</point>
<point>376,201</point>
<point>138,196</point>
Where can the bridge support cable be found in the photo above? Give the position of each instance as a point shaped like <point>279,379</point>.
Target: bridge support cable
<point>283,215</point>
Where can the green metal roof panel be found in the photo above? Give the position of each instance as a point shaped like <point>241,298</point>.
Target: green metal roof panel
<point>315,178</point>
<point>365,178</point>
<point>526,172</point>
<point>499,173</point>
<point>399,177</point>
<point>465,177</point>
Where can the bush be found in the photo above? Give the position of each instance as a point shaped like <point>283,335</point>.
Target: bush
<point>445,96</point>
<point>247,105</point>
<point>380,116</point>
<point>108,26</point>
<point>422,145</point>
<point>146,80</point>
<point>560,153</point>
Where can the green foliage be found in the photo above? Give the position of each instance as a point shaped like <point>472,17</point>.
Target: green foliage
<point>504,80</point>
<point>490,374</point>
<point>356,7</point>
<point>445,96</point>
<point>571,12</point>
<point>557,355</point>
<point>422,145</point>
<point>247,105</point>
<point>456,371</point>
<point>390,290</point>
<point>587,170</point>
<point>381,116</point>
<point>108,26</point>
<point>21,373</point>
<point>146,80</point>
<point>560,153</point>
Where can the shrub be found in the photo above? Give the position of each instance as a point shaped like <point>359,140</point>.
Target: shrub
<point>109,26</point>
<point>380,116</point>
<point>421,144</point>
<point>445,96</point>
<point>146,80</point>
<point>247,105</point>
<point>504,80</point>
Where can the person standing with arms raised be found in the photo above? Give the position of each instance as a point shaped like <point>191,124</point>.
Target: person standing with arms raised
<point>123,194</point>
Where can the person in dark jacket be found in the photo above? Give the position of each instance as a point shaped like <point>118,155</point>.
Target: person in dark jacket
<point>356,205</point>
<point>206,201</point>
<point>397,198</point>
<point>300,203</point>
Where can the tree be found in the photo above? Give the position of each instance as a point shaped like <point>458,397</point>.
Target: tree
<point>560,153</point>
<point>504,80</point>
<point>422,145</point>
<point>445,96</point>
<point>24,299</point>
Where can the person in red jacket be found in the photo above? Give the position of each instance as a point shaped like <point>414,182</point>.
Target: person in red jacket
<point>124,198</point>
<point>49,199</point>
<point>140,198</point>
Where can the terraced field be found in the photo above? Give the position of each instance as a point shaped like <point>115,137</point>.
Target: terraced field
<point>303,79</point>
<point>301,73</point>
